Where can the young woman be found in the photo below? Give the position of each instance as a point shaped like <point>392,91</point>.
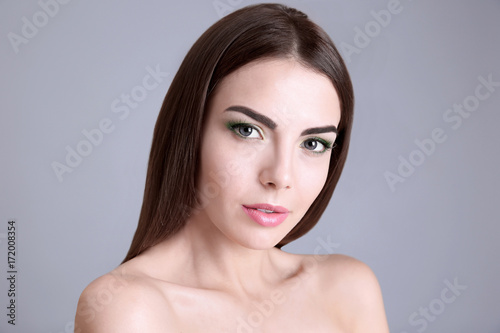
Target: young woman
<point>248,147</point>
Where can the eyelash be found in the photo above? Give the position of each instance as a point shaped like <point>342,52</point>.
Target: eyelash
<point>235,125</point>
<point>326,144</point>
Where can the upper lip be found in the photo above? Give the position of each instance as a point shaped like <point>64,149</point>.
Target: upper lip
<point>269,207</point>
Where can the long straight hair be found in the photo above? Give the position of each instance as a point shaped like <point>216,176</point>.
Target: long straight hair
<point>251,33</point>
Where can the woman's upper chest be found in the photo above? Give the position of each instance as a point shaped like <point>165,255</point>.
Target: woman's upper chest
<point>295,306</point>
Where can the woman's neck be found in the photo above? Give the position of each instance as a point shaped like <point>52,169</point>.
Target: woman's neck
<point>207,259</point>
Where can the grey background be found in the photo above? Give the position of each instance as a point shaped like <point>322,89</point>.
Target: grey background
<point>440,224</point>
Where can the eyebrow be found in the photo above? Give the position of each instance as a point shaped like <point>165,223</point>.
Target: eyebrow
<point>272,125</point>
<point>318,130</point>
<point>254,115</point>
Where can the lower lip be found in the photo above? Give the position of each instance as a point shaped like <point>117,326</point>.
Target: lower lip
<point>265,219</point>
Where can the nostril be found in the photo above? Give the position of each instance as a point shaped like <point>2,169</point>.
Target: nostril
<point>271,184</point>
<point>277,186</point>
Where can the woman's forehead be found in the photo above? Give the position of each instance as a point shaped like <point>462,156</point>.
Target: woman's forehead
<point>281,88</point>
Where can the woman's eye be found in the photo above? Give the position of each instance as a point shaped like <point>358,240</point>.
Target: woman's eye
<point>316,145</point>
<point>246,131</point>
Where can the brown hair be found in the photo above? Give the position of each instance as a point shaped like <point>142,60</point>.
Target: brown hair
<point>246,35</point>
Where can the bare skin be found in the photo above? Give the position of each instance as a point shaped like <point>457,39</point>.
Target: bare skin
<point>221,273</point>
<point>330,293</point>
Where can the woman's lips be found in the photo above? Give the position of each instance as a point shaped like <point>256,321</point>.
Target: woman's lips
<point>265,214</point>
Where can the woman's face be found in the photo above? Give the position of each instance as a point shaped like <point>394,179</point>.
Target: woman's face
<point>265,150</point>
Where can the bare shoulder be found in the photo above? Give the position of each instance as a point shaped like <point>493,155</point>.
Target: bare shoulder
<point>353,293</point>
<point>342,267</point>
<point>118,302</point>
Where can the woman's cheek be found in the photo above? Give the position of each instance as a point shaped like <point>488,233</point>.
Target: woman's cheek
<point>313,183</point>
<point>229,168</point>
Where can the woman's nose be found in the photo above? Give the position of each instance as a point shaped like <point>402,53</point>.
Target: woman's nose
<point>277,169</point>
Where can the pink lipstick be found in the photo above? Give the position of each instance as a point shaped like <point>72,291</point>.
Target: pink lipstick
<point>265,214</point>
